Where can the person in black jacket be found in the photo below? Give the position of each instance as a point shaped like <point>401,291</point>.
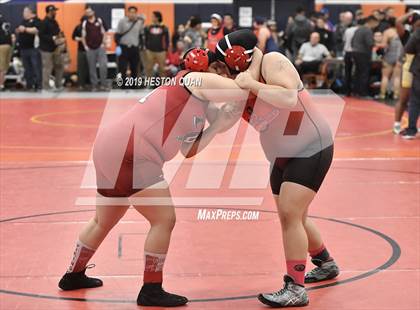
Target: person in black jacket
<point>362,44</point>
<point>31,59</point>
<point>51,43</point>
<point>157,43</point>
<point>325,35</point>
<point>412,51</point>
<point>82,63</point>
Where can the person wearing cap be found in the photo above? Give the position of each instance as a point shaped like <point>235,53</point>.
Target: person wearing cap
<point>215,32</point>
<point>51,43</point>
<point>266,42</point>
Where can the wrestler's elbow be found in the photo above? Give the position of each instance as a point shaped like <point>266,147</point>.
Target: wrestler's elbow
<point>292,101</point>
<point>187,150</point>
<point>289,101</point>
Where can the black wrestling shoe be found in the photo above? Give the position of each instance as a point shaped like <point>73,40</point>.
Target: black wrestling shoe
<point>152,294</point>
<point>77,280</point>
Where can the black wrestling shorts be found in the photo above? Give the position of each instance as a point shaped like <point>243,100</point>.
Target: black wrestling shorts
<point>307,171</point>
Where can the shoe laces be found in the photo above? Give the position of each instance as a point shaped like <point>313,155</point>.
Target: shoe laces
<point>282,291</point>
<point>90,266</point>
<point>315,270</point>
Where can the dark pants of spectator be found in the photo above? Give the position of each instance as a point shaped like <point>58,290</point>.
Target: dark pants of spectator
<point>94,57</point>
<point>348,70</point>
<point>32,65</point>
<point>309,67</point>
<point>362,62</point>
<point>82,69</point>
<point>414,105</point>
<point>130,56</point>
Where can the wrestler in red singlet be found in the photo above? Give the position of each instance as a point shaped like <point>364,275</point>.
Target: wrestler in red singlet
<point>145,137</point>
<point>288,132</point>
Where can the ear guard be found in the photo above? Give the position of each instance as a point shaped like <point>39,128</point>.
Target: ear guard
<point>198,59</point>
<point>236,57</point>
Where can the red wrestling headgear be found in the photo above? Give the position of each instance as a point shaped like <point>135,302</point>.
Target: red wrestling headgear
<point>236,57</point>
<point>197,59</point>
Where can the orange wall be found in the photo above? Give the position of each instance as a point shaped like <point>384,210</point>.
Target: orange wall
<point>369,8</point>
<point>318,6</point>
<point>69,14</point>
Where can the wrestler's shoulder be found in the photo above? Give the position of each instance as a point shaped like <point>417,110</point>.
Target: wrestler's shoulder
<point>275,56</point>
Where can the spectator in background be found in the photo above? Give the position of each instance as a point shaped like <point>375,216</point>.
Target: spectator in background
<point>157,44</point>
<point>82,63</point>
<point>174,58</point>
<point>129,28</point>
<point>383,23</point>
<point>311,55</point>
<point>348,57</point>
<point>391,64</point>
<point>51,43</point>
<point>389,13</point>
<point>93,30</point>
<point>346,21</point>
<point>192,36</point>
<point>272,26</point>
<point>377,50</point>
<point>31,59</point>
<point>298,31</point>
<point>326,36</point>
<point>403,26</point>
<point>359,18</point>
<point>412,51</point>
<point>325,15</point>
<point>215,32</point>
<point>178,35</point>
<point>266,42</point>
<point>228,23</point>
<point>6,42</point>
<point>362,44</point>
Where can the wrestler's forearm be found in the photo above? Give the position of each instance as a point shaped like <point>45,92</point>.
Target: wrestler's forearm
<point>275,95</point>
<point>192,149</point>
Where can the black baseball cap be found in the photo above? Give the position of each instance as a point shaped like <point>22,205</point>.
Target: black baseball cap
<point>50,8</point>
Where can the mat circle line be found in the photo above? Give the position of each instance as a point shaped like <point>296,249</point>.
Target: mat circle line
<point>395,255</point>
